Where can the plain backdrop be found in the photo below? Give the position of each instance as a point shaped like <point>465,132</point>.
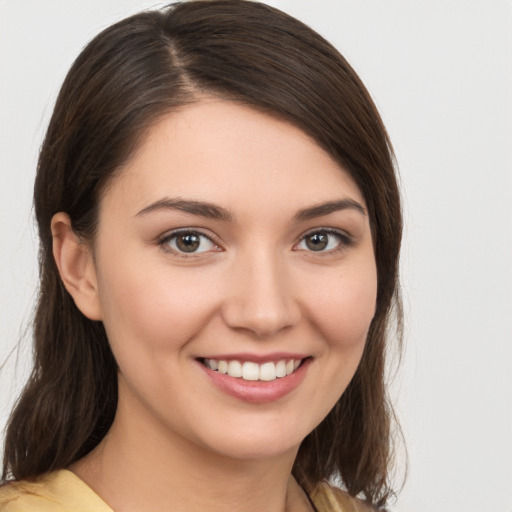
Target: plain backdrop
<point>440,72</point>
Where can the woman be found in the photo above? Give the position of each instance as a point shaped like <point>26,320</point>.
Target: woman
<point>220,228</point>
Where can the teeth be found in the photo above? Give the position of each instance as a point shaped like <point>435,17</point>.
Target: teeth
<point>253,371</point>
<point>267,371</point>
<point>281,369</point>
<point>221,365</point>
<point>250,371</point>
<point>234,369</point>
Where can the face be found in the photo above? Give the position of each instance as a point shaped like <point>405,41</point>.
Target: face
<point>236,281</point>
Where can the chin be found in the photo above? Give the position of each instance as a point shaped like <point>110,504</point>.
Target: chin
<point>257,443</point>
<point>258,449</point>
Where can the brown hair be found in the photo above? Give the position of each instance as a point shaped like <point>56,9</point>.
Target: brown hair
<point>129,76</point>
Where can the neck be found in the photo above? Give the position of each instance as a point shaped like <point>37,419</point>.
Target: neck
<point>139,466</point>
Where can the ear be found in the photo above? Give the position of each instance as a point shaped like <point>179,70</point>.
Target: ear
<point>76,266</point>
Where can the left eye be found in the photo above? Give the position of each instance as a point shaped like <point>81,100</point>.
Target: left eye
<point>321,241</point>
<point>189,242</point>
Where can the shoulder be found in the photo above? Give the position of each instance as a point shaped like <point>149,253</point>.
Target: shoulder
<point>60,491</point>
<point>328,498</point>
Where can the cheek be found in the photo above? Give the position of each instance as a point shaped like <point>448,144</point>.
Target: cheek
<point>344,308</point>
<point>343,314</point>
<point>157,308</point>
<point>341,311</point>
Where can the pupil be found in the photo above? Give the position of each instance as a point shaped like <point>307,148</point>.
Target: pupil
<point>317,241</point>
<point>188,242</point>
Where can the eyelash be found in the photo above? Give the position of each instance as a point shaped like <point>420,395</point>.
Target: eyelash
<point>344,241</point>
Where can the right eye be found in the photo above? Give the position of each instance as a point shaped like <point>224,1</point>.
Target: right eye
<point>188,242</point>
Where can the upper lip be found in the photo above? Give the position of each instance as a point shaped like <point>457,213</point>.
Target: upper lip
<point>257,358</point>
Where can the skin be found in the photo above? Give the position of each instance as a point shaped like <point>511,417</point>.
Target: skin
<point>255,286</point>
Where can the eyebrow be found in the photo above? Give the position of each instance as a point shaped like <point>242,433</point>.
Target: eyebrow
<point>331,206</point>
<point>212,211</point>
<point>200,208</point>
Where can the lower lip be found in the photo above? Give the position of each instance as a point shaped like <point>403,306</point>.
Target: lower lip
<point>257,391</point>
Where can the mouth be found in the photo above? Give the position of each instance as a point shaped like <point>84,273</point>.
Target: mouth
<point>256,379</point>
<point>253,371</point>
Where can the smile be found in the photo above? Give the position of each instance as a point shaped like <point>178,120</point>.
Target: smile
<point>256,379</point>
<point>252,371</point>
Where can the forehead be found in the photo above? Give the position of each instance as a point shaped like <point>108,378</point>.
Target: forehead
<point>221,151</point>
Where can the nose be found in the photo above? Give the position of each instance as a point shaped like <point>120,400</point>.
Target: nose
<point>261,298</point>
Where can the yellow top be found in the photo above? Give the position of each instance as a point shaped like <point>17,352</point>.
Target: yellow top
<point>63,491</point>
<point>331,499</point>
<point>60,491</point>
